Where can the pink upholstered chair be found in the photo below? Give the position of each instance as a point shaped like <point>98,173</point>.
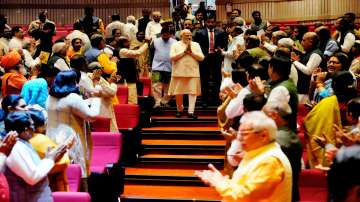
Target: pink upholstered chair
<point>74,176</point>
<point>313,186</point>
<point>106,150</point>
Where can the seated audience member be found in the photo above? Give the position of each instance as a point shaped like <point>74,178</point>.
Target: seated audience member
<point>323,80</point>
<point>307,63</point>
<point>343,177</point>
<point>6,145</point>
<point>58,58</point>
<point>95,54</point>
<point>40,142</point>
<point>329,111</point>
<point>264,173</point>
<point>13,79</point>
<point>76,48</point>
<point>26,172</point>
<point>287,139</point>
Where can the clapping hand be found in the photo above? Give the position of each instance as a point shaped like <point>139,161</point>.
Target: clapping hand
<point>212,177</point>
<point>57,153</point>
<point>96,74</point>
<point>114,78</point>
<point>8,142</point>
<point>294,57</point>
<point>257,86</point>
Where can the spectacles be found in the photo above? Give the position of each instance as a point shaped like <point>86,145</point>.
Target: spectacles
<point>334,62</point>
<point>247,132</point>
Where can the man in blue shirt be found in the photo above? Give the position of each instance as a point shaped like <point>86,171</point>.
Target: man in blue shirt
<point>161,67</point>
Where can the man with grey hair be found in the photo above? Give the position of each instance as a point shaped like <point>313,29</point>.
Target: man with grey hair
<point>264,174</point>
<point>289,142</point>
<point>153,27</point>
<point>130,29</point>
<point>276,36</point>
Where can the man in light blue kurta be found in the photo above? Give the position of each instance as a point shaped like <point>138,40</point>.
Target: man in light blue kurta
<point>161,67</point>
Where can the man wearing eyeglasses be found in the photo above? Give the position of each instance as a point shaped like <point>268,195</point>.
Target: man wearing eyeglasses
<point>264,174</point>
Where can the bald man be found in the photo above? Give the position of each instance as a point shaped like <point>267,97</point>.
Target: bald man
<point>308,62</point>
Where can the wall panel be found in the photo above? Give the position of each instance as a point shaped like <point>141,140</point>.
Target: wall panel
<point>300,10</point>
<point>66,11</point>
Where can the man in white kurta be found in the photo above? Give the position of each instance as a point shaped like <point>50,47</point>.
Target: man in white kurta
<point>185,77</point>
<point>153,27</point>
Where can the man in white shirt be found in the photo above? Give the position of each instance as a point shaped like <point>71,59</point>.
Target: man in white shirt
<point>17,40</point>
<point>25,170</point>
<point>307,63</point>
<point>130,29</point>
<point>153,27</point>
<point>282,88</point>
<point>229,56</point>
<point>115,24</point>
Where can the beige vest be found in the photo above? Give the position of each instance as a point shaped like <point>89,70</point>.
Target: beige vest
<point>282,192</point>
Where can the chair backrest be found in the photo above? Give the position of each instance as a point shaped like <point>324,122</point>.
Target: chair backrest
<point>73,172</point>
<point>101,124</point>
<point>106,148</point>
<point>127,116</point>
<point>313,185</point>
<point>146,85</point>
<point>122,94</point>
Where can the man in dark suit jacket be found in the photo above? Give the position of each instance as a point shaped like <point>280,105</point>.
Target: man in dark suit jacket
<point>210,68</point>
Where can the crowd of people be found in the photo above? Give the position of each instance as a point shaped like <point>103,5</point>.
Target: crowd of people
<point>258,74</point>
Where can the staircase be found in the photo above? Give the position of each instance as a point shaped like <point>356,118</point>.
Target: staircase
<point>172,149</point>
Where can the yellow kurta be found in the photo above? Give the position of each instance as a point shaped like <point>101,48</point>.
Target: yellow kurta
<point>264,175</point>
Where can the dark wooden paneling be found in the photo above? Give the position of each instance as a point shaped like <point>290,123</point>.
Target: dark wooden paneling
<point>301,10</point>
